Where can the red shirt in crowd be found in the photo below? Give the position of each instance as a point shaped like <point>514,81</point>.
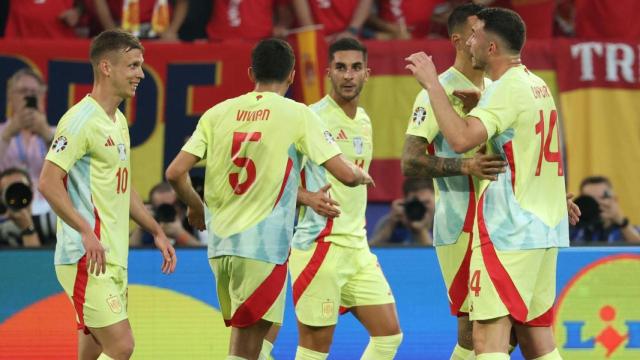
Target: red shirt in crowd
<point>416,14</point>
<point>538,15</point>
<point>334,15</point>
<point>38,19</point>
<point>607,19</point>
<point>244,19</point>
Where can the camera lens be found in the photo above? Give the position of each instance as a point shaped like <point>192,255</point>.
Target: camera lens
<point>414,209</point>
<point>165,213</point>
<point>589,209</point>
<point>17,196</point>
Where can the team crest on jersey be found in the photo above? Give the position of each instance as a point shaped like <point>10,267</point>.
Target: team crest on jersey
<point>327,309</point>
<point>114,304</point>
<point>329,137</point>
<point>419,115</point>
<point>358,145</point>
<point>59,144</point>
<point>122,150</point>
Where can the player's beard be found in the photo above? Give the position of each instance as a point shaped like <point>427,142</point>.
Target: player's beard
<point>351,96</point>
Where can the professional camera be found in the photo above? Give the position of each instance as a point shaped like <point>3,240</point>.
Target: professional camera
<point>414,209</point>
<point>590,212</point>
<point>165,213</point>
<point>16,196</point>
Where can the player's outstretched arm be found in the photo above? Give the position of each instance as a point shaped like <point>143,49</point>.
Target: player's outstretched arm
<point>138,212</point>
<point>347,172</point>
<point>416,162</point>
<point>51,186</point>
<point>319,201</point>
<point>178,176</point>
<point>462,134</point>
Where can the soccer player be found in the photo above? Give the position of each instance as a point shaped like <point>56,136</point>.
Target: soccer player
<point>86,180</point>
<point>332,268</point>
<point>521,218</point>
<point>427,154</point>
<point>252,145</point>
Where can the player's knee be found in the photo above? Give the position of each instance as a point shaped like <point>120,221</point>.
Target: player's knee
<point>382,347</point>
<point>122,350</point>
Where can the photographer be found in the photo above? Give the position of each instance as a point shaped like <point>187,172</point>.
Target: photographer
<point>18,226</point>
<point>26,135</point>
<point>169,214</point>
<point>602,220</point>
<point>411,218</point>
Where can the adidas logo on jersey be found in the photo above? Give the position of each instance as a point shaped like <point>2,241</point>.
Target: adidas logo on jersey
<point>109,142</point>
<point>342,135</point>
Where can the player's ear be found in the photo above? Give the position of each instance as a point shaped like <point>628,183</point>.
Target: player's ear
<point>292,76</point>
<point>252,77</point>
<point>455,39</point>
<point>104,67</point>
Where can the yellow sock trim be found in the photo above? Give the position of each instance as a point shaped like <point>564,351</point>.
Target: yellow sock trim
<point>460,353</point>
<point>308,354</point>
<point>493,356</point>
<point>382,347</point>
<point>554,355</point>
<point>265,352</point>
<point>104,356</point>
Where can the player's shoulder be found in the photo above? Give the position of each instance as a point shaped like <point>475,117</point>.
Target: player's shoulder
<point>79,116</point>
<point>322,105</point>
<point>362,115</point>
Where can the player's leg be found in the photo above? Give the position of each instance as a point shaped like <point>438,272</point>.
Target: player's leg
<point>491,338</point>
<point>100,303</point>
<point>268,342</point>
<point>251,295</point>
<point>536,336</point>
<point>116,340</point>
<point>317,275</point>
<point>88,346</point>
<point>454,260</point>
<point>368,296</point>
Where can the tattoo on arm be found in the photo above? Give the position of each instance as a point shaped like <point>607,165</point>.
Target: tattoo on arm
<point>416,162</point>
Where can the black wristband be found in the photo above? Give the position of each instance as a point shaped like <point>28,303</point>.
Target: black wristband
<point>624,223</point>
<point>29,230</point>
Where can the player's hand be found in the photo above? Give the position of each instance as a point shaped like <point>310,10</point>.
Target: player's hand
<point>486,167</point>
<point>195,215</point>
<point>367,180</point>
<point>573,210</point>
<point>169,258</point>
<point>95,253</point>
<point>322,203</point>
<point>469,97</point>
<point>422,67</point>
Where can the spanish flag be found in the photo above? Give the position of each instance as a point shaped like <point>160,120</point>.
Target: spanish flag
<point>311,61</point>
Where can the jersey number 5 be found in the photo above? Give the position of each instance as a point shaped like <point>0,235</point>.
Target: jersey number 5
<point>242,162</point>
<point>545,142</point>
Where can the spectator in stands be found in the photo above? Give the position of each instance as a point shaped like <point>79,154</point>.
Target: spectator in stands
<point>169,213</point>
<point>602,220</point>
<point>249,19</point>
<point>25,136</point>
<point>410,220</point>
<point>194,26</point>
<point>155,18</point>
<point>343,18</point>
<point>402,19</point>
<point>45,19</point>
<point>18,226</point>
<point>603,19</point>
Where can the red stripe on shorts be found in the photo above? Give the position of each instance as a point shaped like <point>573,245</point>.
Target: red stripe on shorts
<point>508,151</point>
<point>261,300</point>
<point>79,291</point>
<point>459,288</point>
<point>544,320</point>
<point>499,277</point>
<point>310,271</point>
<point>284,182</point>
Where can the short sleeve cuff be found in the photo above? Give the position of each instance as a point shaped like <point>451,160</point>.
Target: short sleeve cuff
<point>487,119</point>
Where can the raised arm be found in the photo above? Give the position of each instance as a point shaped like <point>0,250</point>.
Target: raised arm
<point>416,162</point>
<point>346,172</point>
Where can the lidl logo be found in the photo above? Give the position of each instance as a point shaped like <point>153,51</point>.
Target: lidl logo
<point>598,316</point>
